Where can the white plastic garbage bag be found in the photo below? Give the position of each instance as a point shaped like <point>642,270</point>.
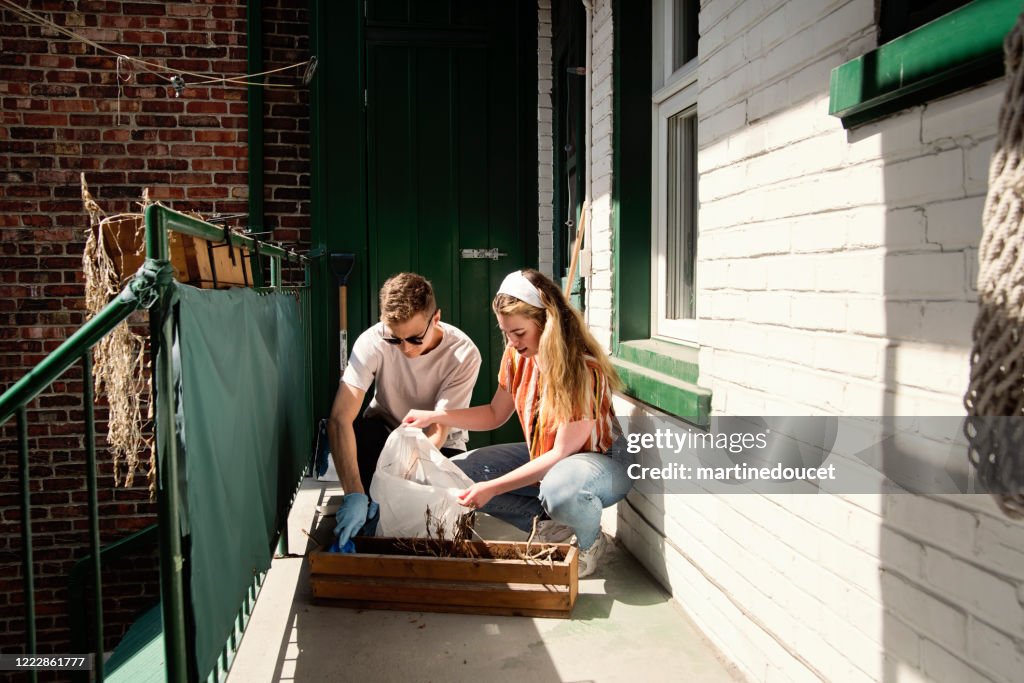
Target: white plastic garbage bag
<point>412,476</point>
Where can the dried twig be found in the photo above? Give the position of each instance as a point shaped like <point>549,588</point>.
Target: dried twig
<point>435,543</point>
<point>546,552</point>
<point>319,545</point>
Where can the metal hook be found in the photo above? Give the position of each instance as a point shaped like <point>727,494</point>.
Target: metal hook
<point>310,70</point>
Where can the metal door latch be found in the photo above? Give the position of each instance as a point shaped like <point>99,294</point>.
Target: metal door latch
<point>492,254</point>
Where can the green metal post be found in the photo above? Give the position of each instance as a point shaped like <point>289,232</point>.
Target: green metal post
<point>172,561</point>
<point>83,572</point>
<point>307,329</point>
<point>307,323</point>
<point>94,513</point>
<point>282,541</point>
<point>323,100</point>
<point>26,539</point>
<point>275,272</point>
<point>275,282</point>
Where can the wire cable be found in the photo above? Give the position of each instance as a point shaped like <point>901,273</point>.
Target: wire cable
<point>152,67</point>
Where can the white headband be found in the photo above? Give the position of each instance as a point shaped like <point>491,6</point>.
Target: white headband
<point>515,284</point>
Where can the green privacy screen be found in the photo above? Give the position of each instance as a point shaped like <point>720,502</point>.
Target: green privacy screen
<point>244,429</point>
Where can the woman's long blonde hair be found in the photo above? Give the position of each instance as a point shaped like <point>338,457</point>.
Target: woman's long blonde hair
<point>564,343</point>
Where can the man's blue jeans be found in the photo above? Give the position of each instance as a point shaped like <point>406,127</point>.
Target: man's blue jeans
<point>573,492</point>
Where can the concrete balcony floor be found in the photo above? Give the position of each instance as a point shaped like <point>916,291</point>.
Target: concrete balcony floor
<point>624,627</point>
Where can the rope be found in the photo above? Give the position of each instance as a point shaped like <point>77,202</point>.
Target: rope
<point>996,446</point>
<point>149,281</point>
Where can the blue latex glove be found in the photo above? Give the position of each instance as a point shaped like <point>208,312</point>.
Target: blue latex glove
<point>351,516</point>
<point>349,547</point>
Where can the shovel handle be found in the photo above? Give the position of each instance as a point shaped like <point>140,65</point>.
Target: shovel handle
<point>342,327</point>
<point>342,308</point>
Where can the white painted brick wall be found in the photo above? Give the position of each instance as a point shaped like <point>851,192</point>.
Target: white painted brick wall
<point>976,165</point>
<point>939,665</point>
<point>990,597</point>
<point>599,234</point>
<point>955,223</point>
<point>944,119</point>
<point>836,272</point>
<point>994,651</point>
<point>925,179</point>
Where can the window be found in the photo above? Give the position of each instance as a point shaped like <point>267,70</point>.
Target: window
<point>674,169</point>
<point>897,17</point>
<point>684,32</point>
<point>654,164</point>
<point>681,215</point>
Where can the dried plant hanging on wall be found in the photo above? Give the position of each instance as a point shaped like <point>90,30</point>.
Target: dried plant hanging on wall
<point>119,358</point>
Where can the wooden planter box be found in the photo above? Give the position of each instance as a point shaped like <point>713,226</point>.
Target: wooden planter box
<point>384,576</point>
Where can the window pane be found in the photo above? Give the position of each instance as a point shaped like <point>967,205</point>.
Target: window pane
<point>681,216</point>
<point>897,17</point>
<point>684,31</point>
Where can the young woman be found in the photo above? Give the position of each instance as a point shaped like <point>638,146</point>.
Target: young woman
<point>559,381</point>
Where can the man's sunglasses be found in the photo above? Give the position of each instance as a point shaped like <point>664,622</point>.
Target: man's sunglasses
<point>418,339</point>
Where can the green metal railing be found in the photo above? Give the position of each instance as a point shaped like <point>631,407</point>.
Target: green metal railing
<point>84,573</point>
<point>149,289</point>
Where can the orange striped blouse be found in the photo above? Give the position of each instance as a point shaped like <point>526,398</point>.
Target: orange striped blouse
<point>522,378</point>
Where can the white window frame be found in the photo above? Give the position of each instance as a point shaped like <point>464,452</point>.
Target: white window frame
<point>674,92</point>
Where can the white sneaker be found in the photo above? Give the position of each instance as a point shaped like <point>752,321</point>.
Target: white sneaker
<point>591,557</point>
<point>550,531</point>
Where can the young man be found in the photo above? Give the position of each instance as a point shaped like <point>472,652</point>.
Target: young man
<point>416,362</point>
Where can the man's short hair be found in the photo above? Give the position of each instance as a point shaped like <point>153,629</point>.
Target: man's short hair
<point>403,296</point>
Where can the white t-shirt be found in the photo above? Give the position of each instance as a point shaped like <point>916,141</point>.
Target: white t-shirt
<point>441,378</point>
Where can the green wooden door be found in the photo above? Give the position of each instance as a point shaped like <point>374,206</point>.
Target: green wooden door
<point>447,159</point>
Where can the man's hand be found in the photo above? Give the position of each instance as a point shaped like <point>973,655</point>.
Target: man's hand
<point>420,418</point>
<point>351,516</point>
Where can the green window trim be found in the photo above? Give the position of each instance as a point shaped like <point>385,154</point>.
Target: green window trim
<point>658,373</point>
<point>663,375</point>
<point>956,51</point>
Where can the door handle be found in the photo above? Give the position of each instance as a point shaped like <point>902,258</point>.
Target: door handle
<point>492,254</point>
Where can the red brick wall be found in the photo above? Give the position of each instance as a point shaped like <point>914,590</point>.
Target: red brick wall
<point>286,128</point>
<point>286,124</point>
<point>59,102</point>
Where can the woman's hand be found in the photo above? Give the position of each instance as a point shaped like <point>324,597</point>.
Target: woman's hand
<point>420,418</point>
<point>477,495</point>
